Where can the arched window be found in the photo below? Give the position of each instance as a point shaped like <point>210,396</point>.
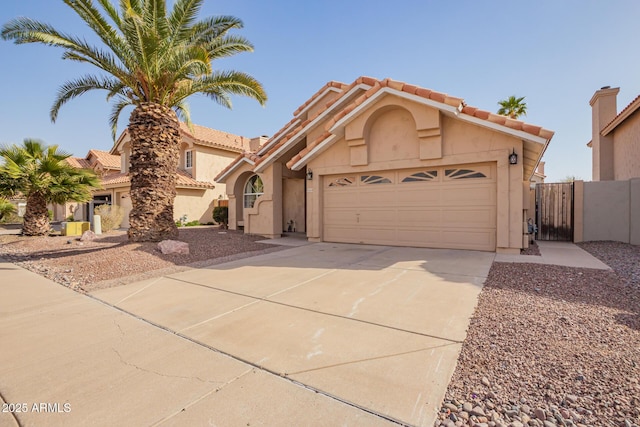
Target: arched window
<point>252,190</point>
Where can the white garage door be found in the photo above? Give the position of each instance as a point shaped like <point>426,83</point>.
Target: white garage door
<point>444,207</point>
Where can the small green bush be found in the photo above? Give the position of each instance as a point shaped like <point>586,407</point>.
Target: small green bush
<point>50,212</point>
<point>221,215</point>
<point>111,216</point>
<point>192,223</point>
<point>71,218</point>
<point>6,208</point>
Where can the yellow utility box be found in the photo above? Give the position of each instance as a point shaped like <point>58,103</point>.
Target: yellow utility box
<point>75,228</point>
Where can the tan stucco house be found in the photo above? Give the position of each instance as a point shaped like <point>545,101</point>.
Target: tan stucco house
<point>103,163</point>
<point>385,162</point>
<point>204,152</point>
<point>615,139</point>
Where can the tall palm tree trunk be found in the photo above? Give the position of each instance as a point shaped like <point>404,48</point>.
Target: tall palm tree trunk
<point>155,139</point>
<point>36,216</point>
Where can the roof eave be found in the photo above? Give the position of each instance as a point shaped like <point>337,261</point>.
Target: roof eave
<point>222,178</point>
<point>317,99</point>
<point>338,128</point>
<point>628,111</point>
<point>273,142</point>
<point>296,138</point>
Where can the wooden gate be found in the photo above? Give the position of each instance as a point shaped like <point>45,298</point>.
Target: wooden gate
<point>554,211</point>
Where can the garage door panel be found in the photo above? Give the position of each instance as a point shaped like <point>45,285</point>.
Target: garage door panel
<point>431,237</point>
<point>470,239</point>
<point>418,195</point>
<point>377,236</point>
<point>343,217</point>
<point>414,217</point>
<point>374,198</point>
<point>340,233</point>
<point>437,210</point>
<point>469,195</point>
<point>379,217</point>
<point>339,199</point>
<point>468,218</point>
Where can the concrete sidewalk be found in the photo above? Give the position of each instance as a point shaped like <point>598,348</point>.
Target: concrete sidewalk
<point>68,359</point>
<point>566,254</point>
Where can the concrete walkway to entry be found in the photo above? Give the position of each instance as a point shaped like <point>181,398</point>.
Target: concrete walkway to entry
<point>323,334</point>
<point>566,254</point>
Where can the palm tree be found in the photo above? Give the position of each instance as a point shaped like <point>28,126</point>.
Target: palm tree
<point>6,208</point>
<point>40,174</point>
<point>152,60</point>
<point>513,107</point>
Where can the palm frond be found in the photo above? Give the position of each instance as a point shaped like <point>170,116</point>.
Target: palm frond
<point>75,88</point>
<point>116,109</point>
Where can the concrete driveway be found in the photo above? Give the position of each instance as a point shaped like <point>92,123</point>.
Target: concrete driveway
<point>375,328</point>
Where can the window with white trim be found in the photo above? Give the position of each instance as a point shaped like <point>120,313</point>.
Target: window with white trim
<point>188,159</point>
<point>252,190</point>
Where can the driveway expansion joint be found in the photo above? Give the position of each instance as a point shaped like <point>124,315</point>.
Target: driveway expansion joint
<point>247,362</point>
<point>265,299</point>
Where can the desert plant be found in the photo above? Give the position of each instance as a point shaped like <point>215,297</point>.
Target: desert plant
<point>111,216</point>
<point>152,57</point>
<point>221,215</point>
<point>6,208</point>
<point>513,107</point>
<point>41,175</point>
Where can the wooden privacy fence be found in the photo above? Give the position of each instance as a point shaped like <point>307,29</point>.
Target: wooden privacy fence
<point>554,211</point>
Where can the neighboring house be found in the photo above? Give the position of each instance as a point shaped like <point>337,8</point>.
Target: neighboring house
<point>204,152</point>
<point>615,139</point>
<point>384,162</point>
<point>103,163</point>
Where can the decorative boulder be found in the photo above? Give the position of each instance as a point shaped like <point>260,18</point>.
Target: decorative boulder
<point>173,247</point>
<point>87,236</point>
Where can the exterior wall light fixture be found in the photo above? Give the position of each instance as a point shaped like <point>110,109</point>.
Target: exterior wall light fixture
<point>309,175</point>
<point>513,158</point>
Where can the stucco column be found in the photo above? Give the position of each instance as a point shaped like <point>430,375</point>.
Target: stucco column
<point>578,211</point>
<point>603,110</point>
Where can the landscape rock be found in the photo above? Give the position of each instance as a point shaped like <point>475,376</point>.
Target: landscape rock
<point>88,236</point>
<point>170,247</point>
<point>553,346</point>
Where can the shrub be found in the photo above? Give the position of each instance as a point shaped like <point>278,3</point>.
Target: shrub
<point>192,223</point>
<point>71,218</point>
<point>221,215</point>
<point>111,216</point>
<point>6,208</point>
<point>50,212</point>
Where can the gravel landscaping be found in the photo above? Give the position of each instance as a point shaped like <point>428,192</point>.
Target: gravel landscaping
<point>110,259</point>
<point>547,345</point>
<point>552,346</point>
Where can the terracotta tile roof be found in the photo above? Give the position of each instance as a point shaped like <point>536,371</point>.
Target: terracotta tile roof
<point>443,98</point>
<point>215,138</point>
<point>331,84</point>
<point>622,116</point>
<point>338,85</point>
<point>345,89</point>
<point>252,157</point>
<point>183,179</point>
<point>104,158</point>
<point>107,160</point>
<point>78,162</point>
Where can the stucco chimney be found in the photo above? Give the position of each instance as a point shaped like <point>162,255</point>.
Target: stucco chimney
<point>603,110</point>
<point>256,143</point>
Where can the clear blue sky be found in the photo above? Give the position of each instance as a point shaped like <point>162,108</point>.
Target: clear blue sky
<point>556,53</point>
